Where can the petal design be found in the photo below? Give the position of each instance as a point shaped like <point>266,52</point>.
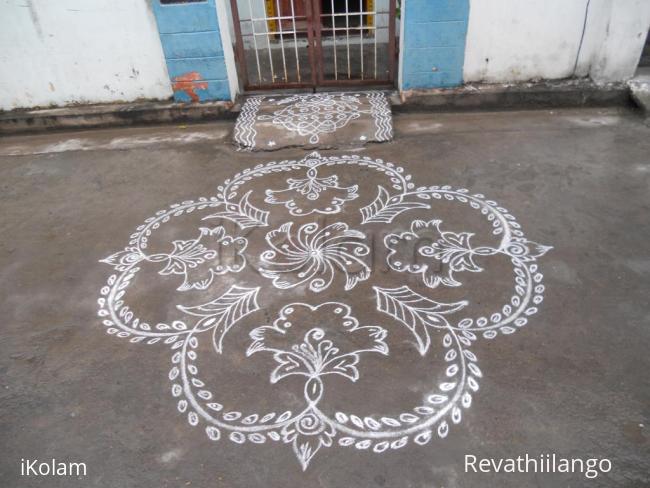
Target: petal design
<point>525,250</point>
<point>200,264</point>
<point>345,366</point>
<point>123,260</point>
<point>308,434</point>
<point>318,340</point>
<point>302,193</point>
<point>445,253</point>
<point>288,364</point>
<point>313,254</point>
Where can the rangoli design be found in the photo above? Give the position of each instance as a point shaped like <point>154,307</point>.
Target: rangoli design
<point>408,261</point>
<point>314,115</point>
<point>310,188</point>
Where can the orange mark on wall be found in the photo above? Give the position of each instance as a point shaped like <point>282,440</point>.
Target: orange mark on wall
<point>188,82</point>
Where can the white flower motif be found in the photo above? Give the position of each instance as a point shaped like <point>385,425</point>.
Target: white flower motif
<point>314,355</point>
<point>301,349</point>
<point>191,258</point>
<point>198,263</point>
<point>451,253</point>
<point>304,191</point>
<point>311,255</point>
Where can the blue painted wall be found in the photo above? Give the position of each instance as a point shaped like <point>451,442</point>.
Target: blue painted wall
<point>434,43</point>
<point>191,41</point>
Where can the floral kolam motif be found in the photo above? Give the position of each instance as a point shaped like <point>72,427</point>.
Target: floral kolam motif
<point>316,114</point>
<point>340,276</point>
<point>310,117</point>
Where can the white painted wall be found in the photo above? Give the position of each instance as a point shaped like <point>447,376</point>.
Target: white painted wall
<point>522,40</point>
<point>59,52</point>
<point>519,40</point>
<point>622,41</point>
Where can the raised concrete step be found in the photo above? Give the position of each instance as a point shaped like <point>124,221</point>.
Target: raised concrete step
<point>324,120</point>
<point>112,115</point>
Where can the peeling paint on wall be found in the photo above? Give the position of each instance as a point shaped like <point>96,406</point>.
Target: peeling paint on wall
<point>188,83</point>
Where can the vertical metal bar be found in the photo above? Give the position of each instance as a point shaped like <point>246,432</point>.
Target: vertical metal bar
<point>318,40</point>
<point>361,9</point>
<point>347,33</point>
<point>295,38</point>
<point>309,11</point>
<point>268,42</point>
<point>279,23</point>
<point>257,56</point>
<point>391,40</point>
<point>239,42</point>
<point>375,20</point>
<point>336,66</point>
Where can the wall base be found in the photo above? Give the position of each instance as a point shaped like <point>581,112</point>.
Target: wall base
<point>112,115</point>
<point>569,93</point>
<point>543,95</point>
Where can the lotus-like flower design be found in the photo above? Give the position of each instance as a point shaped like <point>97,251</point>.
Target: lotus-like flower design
<point>300,345</point>
<point>198,263</point>
<point>433,253</point>
<point>303,192</point>
<point>199,260</point>
<point>312,254</point>
<point>315,341</point>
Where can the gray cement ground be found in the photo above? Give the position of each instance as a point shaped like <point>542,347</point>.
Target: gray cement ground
<point>573,382</point>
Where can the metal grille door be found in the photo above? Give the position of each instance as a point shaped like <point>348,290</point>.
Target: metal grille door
<point>310,43</point>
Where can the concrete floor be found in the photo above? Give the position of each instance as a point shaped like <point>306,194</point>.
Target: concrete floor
<point>572,382</point>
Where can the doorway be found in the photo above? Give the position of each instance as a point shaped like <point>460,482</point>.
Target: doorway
<point>315,43</point>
